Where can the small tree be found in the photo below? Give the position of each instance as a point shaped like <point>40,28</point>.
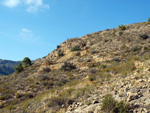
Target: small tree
<point>18,68</point>
<point>26,62</point>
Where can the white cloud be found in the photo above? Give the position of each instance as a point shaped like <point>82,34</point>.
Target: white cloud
<point>11,3</point>
<point>27,34</point>
<point>29,37</point>
<point>26,30</point>
<point>31,5</point>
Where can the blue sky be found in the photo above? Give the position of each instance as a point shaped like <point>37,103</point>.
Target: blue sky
<point>34,28</point>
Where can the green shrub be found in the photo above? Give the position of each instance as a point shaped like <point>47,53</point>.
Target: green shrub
<point>92,51</point>
<point>103,66</point>
<point>149,20</point>
<point>91,78</point>
<point>120,33</point>
<point>59,101</point>
<point>76,48</point>
<point>135,49</point>
<point>144,36</point>
<point>88,102</point>
<point>91,65</point>
<point>58,46</point>
<point>68,66</point>
<point>110,105</point>
<point>56,101</point>
<point>28,95</point>
<point>2,98</point>
<point>122,107</point>
<point>19,95</point>
<point>46,69</point>
<point>18,68</point>
<point>122,27</point>
<point>60,53</point>
<point>44,77</point>
<point>48,84</point>
<point>62,82</point>
<point>92,71</point>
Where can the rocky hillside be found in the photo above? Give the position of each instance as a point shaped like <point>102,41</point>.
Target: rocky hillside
<point>106,71</point>
<point>7,67</point>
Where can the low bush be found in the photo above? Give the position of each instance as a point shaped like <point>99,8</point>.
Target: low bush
<point>58,46</point>
<point>44,78</point>
<point>110,105</point>
<point>120,33</point>
<point>68,66</point>
<point>19,95</point>
<point>48,84</point>
<point>76,48</point>
<point>59,101</point>
<point>91,65</point>
<point>122,27</point>
<point>144,36</point>
<point>60,53</point>
<point>46,69</point>
<point>92,51</point>
<point>2,98</point>
<point>92,71</point>
<point>135,49</point>
<point>62,82</point>
<point>91,78</point>
<point>56,101</point>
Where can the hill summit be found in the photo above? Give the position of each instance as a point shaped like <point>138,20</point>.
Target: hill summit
<point>106,71</point>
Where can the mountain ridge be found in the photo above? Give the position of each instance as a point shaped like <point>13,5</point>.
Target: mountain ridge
<point>7,67</point>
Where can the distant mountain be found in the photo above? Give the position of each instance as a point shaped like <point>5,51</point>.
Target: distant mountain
<point>7,67</point>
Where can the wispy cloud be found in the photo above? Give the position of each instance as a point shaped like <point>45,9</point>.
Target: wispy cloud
<point>31,5</point>
<point>27,34</point>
